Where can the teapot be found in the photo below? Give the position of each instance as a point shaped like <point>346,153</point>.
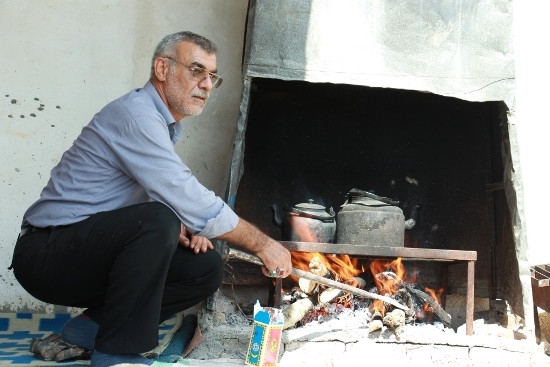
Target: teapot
<point>369,219</point>
<point>305,222</point>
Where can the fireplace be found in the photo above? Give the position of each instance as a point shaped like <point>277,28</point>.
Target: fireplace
<point>318,140</point>
<point>416,107</point>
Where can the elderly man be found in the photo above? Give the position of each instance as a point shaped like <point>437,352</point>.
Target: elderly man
<point>122,228</point>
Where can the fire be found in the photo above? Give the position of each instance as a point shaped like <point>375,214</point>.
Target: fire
<point>387,276</point>
<point>342,266</point>
<point>436,295</point>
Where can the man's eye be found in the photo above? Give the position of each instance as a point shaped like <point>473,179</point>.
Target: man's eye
<point>199,72</point>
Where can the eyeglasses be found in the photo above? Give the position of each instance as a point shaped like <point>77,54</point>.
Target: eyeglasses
<point>200,74</point>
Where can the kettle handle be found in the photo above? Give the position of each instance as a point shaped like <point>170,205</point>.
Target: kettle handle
<point>312,216</point>
<point>357,192</point>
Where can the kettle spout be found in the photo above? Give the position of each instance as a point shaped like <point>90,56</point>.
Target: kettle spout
<point>276,217</point>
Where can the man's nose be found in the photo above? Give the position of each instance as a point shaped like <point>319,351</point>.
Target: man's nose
<point>206,83</point>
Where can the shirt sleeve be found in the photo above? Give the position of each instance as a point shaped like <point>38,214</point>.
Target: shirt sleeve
<point>146,153</point>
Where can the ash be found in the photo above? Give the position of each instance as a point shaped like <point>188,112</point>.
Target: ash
<point>337,315</point>
<point>227,330</point>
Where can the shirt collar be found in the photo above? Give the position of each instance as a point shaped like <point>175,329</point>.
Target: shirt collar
<point>159,103</point>
<point>174,127</point>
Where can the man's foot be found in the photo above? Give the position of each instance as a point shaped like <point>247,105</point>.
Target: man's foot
<point>80,331</point>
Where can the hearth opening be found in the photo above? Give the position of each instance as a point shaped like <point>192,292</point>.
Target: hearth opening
<point>439,158</point>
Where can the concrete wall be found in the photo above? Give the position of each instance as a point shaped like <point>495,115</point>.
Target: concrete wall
<point>532,28</point>
<point>61,61</point>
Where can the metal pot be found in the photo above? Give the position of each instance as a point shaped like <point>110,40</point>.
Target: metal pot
<point>369,219</point>
<point>306,222</point>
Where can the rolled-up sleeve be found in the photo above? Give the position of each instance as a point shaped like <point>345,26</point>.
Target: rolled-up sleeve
<point>224,222</point>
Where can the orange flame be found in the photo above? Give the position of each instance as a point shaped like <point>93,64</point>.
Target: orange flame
<point>387,275</point>
<point>343,266</point>
<point>426,308</point>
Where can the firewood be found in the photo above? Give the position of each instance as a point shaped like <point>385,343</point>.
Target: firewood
<point>361,283</point>
<point>395,320</point>
<point>233,253</point>
<point>347,288</point>
<point>387,275</point>
<point>296,311</point>
<point>404,297</point>
<point>307,286</point>
<point>439,311</point>
<point>316,267</point>
<point>376,322</point>
<point>329,294</point>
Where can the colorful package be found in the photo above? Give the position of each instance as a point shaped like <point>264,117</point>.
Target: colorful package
<point>265,341</point>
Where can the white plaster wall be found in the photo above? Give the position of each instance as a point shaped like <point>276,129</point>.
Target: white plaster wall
<point>61,61</point>
<point>532,30</point>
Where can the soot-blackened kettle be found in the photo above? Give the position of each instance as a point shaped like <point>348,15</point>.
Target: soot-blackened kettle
<point>372,220</point>
<point>305,222</point>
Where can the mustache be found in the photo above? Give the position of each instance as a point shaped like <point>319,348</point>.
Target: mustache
<point>200,94</point>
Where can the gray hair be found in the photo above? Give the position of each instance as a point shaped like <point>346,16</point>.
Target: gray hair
<point>167,46</point>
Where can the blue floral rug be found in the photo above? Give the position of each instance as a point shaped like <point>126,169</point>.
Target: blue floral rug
<point>18,329</point>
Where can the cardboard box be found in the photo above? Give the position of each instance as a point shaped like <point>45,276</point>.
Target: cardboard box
<point>263,350</point>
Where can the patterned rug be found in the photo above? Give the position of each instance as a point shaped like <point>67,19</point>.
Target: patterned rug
<point>18,329</point>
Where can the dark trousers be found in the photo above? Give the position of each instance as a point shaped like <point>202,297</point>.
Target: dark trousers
<point>124,266</point>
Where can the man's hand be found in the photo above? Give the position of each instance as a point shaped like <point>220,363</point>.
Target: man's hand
<point>195,243</point>
<point>277,260</point>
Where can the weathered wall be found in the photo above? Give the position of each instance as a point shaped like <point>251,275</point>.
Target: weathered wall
<point>531,30</point>
<point>60,62</point>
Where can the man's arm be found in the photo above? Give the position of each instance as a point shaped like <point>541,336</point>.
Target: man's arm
<point>271,252</point>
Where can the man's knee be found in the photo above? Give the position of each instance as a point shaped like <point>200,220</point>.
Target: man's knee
<point>163,215</point>
<point>205,270</point>
<point>163,221</point>
<point>217,270</point>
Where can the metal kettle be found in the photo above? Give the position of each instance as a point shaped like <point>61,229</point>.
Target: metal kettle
<point>372,220</point>
<point>305,222</point>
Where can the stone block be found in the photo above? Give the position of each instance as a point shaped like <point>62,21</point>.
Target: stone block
<point>505,357</point>
<point>450,354</point>
<point>371,348</point>
<point>311,354</point>
<point>420,354</point>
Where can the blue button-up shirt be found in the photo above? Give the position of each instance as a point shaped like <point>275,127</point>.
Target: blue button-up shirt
<point>126,156</point>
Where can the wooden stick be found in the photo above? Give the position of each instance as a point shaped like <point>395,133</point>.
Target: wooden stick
<point>443,315</point>
<point>233,253</point>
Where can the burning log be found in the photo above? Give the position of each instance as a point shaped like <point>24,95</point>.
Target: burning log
<point>316,267</point>
<point>348,288</point>
<point>404,297</point>
<point>310,287</point>
<point>232,253</point>
<point>329,294</point>
<point>376,322</point>
<point>439,311</point>
<point>395,320</point>
<point>296,311</point>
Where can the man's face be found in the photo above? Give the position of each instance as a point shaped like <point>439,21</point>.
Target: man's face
<point>185,94</point>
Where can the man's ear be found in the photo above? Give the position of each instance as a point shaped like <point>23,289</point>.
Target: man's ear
<point>161,68</point>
